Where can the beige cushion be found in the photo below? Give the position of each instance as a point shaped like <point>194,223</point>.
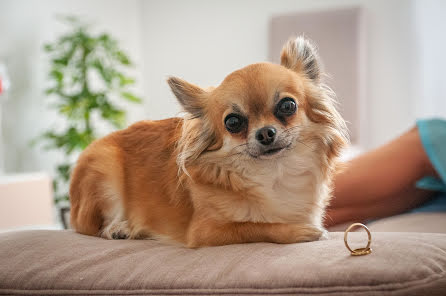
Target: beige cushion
<point>415,222</point>
<point>65,263</point>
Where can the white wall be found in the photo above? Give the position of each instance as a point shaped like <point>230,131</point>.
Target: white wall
<point>24,27</point>
<point>429,77</point>
<point>203,41</point>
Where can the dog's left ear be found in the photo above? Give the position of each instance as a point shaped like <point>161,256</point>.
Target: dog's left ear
<point>189,95</point>
<point>300,55</point>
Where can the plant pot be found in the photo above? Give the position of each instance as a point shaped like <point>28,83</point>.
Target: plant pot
<point>64,214</point>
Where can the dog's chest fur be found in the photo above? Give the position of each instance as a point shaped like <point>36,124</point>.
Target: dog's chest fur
<point>287,190</point>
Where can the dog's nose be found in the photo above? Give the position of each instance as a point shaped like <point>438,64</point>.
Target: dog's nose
<point>266,135</point>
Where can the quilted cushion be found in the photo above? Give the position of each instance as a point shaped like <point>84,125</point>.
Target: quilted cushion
<point>67,263</point>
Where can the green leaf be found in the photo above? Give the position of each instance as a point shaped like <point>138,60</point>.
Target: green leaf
<point>49,91</point>
<point>124,81</point>
<point>123,58</point>
<point>130,97</point>
<point>55,185</point>
<point>57,75</point>
<point>64,171</point>
<point>112,114</point>
<point>48,47</point>
<point>60,61</point>
<point>106,73</point>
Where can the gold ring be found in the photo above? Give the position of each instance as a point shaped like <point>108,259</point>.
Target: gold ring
<point>361,251</point>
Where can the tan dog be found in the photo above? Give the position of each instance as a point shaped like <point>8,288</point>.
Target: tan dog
<point>252,161</point>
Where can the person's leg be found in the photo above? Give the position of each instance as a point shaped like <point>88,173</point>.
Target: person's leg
<point>381,182</point>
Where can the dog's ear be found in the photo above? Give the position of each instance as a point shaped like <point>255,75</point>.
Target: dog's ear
<point>190,96</point>
<point>301,56</point>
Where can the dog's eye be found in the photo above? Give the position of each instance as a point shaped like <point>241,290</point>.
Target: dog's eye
<point>287,106</point>
<point>234,123</point>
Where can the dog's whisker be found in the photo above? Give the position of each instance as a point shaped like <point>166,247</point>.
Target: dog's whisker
<point>304,144</point>
<point>293,128</point>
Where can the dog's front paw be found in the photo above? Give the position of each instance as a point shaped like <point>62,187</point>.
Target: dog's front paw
<point>119,235</point>
<point>325,235</point>
<point>308,233</point>
<point>116,230</point>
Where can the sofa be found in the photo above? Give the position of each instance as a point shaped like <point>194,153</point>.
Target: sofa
<point>51,262</point>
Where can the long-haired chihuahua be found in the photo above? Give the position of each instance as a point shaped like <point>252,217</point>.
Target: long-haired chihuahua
<point>251,161</point>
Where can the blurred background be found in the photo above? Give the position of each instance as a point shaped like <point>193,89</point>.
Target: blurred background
<point>385,60</point>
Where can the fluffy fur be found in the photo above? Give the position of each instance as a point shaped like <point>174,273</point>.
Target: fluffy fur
<point>191,181</point>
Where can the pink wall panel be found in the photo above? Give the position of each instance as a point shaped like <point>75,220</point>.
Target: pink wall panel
<point>338,35</point>
<point>25,200</point>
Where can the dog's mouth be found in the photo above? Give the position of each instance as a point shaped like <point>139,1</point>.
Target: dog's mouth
<point>273,151</point>
<point>268,153</point>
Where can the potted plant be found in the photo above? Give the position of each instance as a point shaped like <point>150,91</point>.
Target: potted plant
<point>87,80</point>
